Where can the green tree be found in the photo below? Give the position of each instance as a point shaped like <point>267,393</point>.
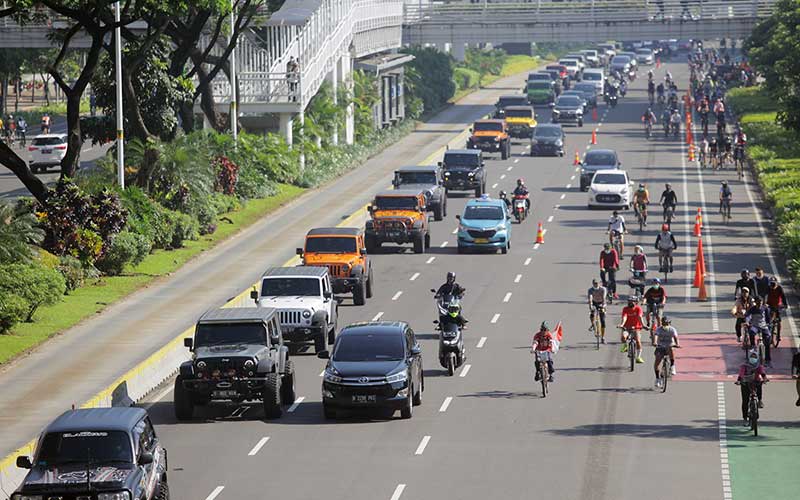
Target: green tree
<point>35,284</point>
<point>431,77</point>
<point>366,95</point>
<point>18,231</point>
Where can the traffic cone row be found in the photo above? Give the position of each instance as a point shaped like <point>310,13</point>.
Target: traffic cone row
<point>699,265</point>
<point>691,152</point>
<point>698,223</point>
<point>594,136</point>
<point>540,234</point>
<point>689,136</point>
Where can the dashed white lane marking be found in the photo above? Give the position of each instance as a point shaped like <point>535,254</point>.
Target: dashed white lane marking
<point>422,445</point>
<point>464,371</point>
<point>516,160</point>
<point>544,231</point>
<point>588,146</point>
<point>569,186</point>
<point>556,207</point>
<point>445,404</point>
<point>398,492</point>
<point>480,343</point>
<point>527,262</point>
<point>214,494</point>
<point>723,442</point>
<point>413,277</point>
<point>296,404</point>
<point>397,295</point>
<point>322,373</point>
<point>518,278</point>
<point>528,146</point>
<point>563,196</point>
<point>507,297</point>
<point>550,219</point>
<point>377,316</point>
<point>502,177</point>
<point>455,231</point>
<point>444,244</point>
<point>535,247</point>
<point>577,169</point>
<point>509,169</point>
<point>495,318</point>
<point>572,178</point>
<point>430,259</point>
<point>260,444</point>
<point>161,395</point>
<point>494,185</point>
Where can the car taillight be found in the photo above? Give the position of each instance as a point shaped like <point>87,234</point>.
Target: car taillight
<point>62,148</point>
<point>32,148</point>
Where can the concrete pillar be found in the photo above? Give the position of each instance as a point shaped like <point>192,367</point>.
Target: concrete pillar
<point>459,51</point>
<point>345,73</point>
<point>285,126</point>
<point>333,77</point>
<point>302,115</point>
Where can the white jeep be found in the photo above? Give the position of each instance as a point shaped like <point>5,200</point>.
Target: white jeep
<point>304,299</point>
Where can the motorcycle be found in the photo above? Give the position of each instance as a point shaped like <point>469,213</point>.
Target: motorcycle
<point>452,353</point>
<point>520,207</point>
<point>623,88</point>
<point>612,100</point>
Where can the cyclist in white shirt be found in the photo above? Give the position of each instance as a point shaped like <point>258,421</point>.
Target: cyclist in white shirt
<point>616,224</point>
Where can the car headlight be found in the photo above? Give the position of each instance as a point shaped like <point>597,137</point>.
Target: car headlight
<point>500,227</point>
<point>306,314</point>
<point>559,143</point>
<point>201,365</point>
<point>331,376</point>
<point>534,142</point>
<point>345,267</point>
<point>20,496</point>
<point>249,364</point>
<point>447,174</point>
<point>117,495</point>
<point>555,111</point>
<point>397,377</point>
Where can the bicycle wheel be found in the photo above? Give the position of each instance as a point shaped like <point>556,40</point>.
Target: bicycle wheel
<point>544,373</point>
<point>597,330</point>
<point>665,372</point>
<point>641,221</point>
<point>632,353</point>
<point>752,415</point>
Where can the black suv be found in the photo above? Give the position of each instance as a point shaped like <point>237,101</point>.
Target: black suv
<point>594,160</point>
<point>97,453</point>
<point>237,355</point>
<point>375,364</point>
<point>509,100</point>
<point>428,179</point>
<point>463,170</point>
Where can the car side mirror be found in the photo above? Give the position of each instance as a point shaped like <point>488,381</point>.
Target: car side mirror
<point>298,251</point>
<point>416,350</point>
<point>433,290</point>
<point>24,462</point>
<point>327,295</point>
<point>187,342</point>
<point>458,217</point>
<point>470,129</point>
<point>254,294</point>
<point>324,355</point>
<point>619,163</point>
<point>441,164</point>
<point>362,251</point>
<point>146,458</point>
<point>370,208</point>
<point>395,183</point>
<point>436,322</point>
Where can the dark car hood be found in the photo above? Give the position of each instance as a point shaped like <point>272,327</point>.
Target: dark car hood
<point>460,169</point>
<point>72,476</point>
<point>567,108</point>
<point>366,368</point>
<point>547,139</point>
<point>415,187</point>
<point>594,168</point>
<point>228,351</point>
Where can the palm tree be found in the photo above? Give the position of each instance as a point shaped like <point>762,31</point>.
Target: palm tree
<point>18,232</point>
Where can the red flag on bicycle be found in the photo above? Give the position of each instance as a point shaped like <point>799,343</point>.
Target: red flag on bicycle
<point>558,334</point>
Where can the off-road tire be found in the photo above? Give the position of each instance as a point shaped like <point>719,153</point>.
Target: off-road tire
<point>417,398</point>
<point>320,340</point>
<point>360,293</point>
<point>438,213</point>
<point>427,240</point>
<point>328,412</point>
<point>182,401</point>
<point>288,393</point>
<point>419,244</point>
<point>369,283</point>
<point>407,411</point>
<point>163,490</point>
<point>371,244</point>
<point>272,396</point>
<point>444,205</point>
<point>505,149</point>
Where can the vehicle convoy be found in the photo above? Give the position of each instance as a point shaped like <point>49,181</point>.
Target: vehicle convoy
<point>610,188</point>
<point>373,365</point>
<point>430,180</point>
<point>343,251</point>
<point>238,355</point>
<point>521,121</point>
<point>541,92</point>
<point>463,170</point>
<point>508,100</point>
<point>594,160</point>
<point>304,297</point>
<point>596,77</point>
<point>548,139</point>
<point>96,453</point>
<point>589,92</point>
<point>398,216</point>
<point>490,136</point>
<point>568,109</point>
<point>452,352</point>
<point>485,224</point>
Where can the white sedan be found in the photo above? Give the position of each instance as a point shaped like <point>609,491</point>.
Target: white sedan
<point>610,188</point>
<point>47,151</point>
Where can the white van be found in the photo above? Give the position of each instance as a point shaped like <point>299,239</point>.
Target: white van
<point>595,76</point>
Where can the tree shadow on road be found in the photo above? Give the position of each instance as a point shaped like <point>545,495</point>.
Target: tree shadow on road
<point>700,430</point>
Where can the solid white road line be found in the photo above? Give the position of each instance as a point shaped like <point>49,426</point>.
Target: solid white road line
<point>444,244</point>
<point>296,404</point>
<point>413,277</point>
<point>398,492</point>
<point>422,445</point>
<point>445,404</point>
<point>527,262</point>
<point>480,343</point>
<point>260,444</point>
<point>322,373</point>
<point>572,178</point>
<point>507,297</point>
<point>215,493</point>
<point>550,219</point>
<point>430,259</point>
<point>495,318</point>
<point>397,295</point>
<point>465,370</point>
<point>509,169</point>
<point>518,278</point>
<point>377,316</point>
<point>723,442</point>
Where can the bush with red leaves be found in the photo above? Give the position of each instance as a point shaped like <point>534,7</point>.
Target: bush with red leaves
<point>227,175</point>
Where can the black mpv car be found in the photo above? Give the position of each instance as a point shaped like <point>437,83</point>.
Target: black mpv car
<point>375,364</point>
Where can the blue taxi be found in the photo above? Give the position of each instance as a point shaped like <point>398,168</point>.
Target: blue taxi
<point>485,223</point>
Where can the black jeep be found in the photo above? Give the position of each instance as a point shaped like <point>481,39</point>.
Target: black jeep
<point>464,170</point>
<point>238,355</point>
<point>110,453</point>
<point>428,179</point>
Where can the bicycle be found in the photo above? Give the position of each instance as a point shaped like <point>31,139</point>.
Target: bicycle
<point>738,159</point>
<point>665,262</point>
<point>648,130</point>
<point>616,242</point>
<point>669,214</point>
<point>775,328</point>
<point>665,370</point>
<point>596,323</point>
<point>747,345</point>
<point>641,215</point>
<point>726,210</point>
<point>542,370</point>
<point>752,406</point>
<point>654,314</point>
<point>631,346</point>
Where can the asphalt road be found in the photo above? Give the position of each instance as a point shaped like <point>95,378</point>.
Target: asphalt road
<point>603,433</point>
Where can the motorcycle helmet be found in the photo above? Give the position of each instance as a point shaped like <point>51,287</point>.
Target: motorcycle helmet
<point>451,278</point>
<point>502,194</point>
<point>520,181</point>
<point>453,309</point>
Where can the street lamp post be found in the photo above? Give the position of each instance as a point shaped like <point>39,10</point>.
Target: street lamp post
<point>233,111</point>
<point>120,111</point>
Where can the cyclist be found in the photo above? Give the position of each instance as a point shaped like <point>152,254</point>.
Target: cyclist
<point>45,123</point>
<point>758,318</point>
<point>743,304</point>
<point>641,198</point>
<point>702,151</point>
<point>751,372</point>
<point>724,147</point>
<point>660,92</point>
<point>665,244</point>
<point>616,226</point>
<point>719,110</point>
<point>543,342</point>
<point>675,121</point>
<point>649,118</point>
<point>651,89</point>
<point>668,200</point>
<point>713,149</point>
<point>656,298</point>
<point>762,284</point>
<point>632,323</point>
<point>725,197</point>
<point>776,300</point>
<point>638,266</point>
<point>22,129</point>
<point>609,263</point>
<point>666,340</point>
<point>745,281</point>
<point>597,303</point>
<point>11,123</point>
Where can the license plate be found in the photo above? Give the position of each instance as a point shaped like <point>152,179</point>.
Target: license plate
<point>368,398</point>
<point>481,240</point>
<point>224,394</point>
<point>47,151</point>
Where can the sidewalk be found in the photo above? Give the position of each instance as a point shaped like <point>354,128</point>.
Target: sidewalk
<point>72,367</point>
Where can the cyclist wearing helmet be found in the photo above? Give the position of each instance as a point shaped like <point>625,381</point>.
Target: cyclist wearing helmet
<point>641,198</point>
<point>656,298</point>
<point>543,342</point>
<point>522,190</point>
<point>597,302</point>
<point>743,303</point>
<point>776,300</point>
<point>725,196</point>
<point>450,287</point>
<point>758,318</point>
<point>751,372</point>
<point>609,263</point>
<point>616,226</point>
<point>638,266</point>
<point>745,281</point>
<point>665,244</point>
<point>632,323</point>
<point>668,199</point>
<point>666,340</point>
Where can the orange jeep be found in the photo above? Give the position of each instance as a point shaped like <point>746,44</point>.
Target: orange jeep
<point>342,250</point>
<point>490,136</point>
<point>398,216</point>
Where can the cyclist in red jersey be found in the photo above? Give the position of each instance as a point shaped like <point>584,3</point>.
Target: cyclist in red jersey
<point>632,323</point>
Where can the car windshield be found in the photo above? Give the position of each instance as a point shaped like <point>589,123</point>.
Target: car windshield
<point>575,92</point>
<point>48,141</point>
<point>614,179</point>
<point>416,177</point>
<point>461,160</point>
<point>504,102</point>
<point>555,68</point>
<point>84,447</point>
<point>594,77</point>
<point>369,347</point>
<point>396,203</point>
<point>216,334</point>
<point>483,212</point>
<point>585,88</point>
<point>331,244</point>
<point>596,158</point>
<point>644,52</point>
<point>539,76</point>
<point>569,62</point>
<point>285,287</point>
<point>542,131</point>
<point>519,113</point>
<point>621,60</point>
<point>487,127</point>
<point>569,101</point>
<point>539,85</point>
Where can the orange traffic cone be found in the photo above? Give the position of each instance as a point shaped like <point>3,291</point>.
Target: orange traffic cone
<point>594,114</point>
<point>689,136</point>
<point>577,158</point>
<point>700,257</point>
<point>540,234</point>
<point>691,152</point>
<point>698,223</point>
<point>658,62</point>
<point>698,275</point>
<point>594,136</point>
<point>702,296</point>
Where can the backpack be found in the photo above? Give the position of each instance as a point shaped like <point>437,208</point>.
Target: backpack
<point>726,192</point>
